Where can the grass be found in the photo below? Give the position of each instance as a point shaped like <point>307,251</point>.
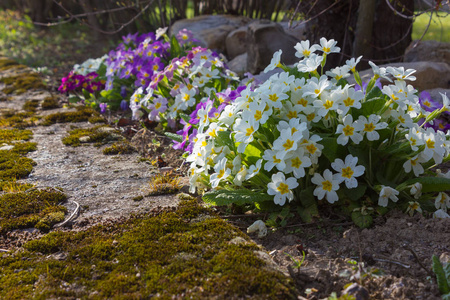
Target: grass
<point>439,29</point>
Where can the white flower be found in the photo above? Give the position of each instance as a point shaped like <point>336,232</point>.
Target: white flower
<point>379,72</point>
<point>244,132</point>
<point>275,62</point>
<point>315,86</point>
<point>414,165</point>
<point>416,190</point>
<point>371,125</point>
<point>351,63</point>
<point>442,201</point>
<point>349,129</point>
<point>281,188</point>
<point>412,207</point>
<point>304,50</point>
<point>327,102</point>
<point>326,186</point>
<point>274,96</point>
<point>440,214</point>
<point>445,101</point>
<point>328,46</point>
<point>271,160</point>
<point>350,98</point>
<point>339,72</point>
<point>433,146</point>
<point>258,112</point>
<point>401,74</point>
<point>310,64</point>
<point>253,169</point>
<point>414,136</point>
<point>348,171</point>
<point>221,172</point>
<point>296,163</point>
<point>387,193</point>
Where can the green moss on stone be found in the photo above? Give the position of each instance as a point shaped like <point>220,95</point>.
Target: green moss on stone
<point>8,135</point>
<point>22,83</point>
<point>98,135</point>
<point>50,103</point>
<point>82,114</point>
<point>123,147</point>
<point>14,166</point>
<point>31,105</point>
<point>17,120</point>
<point>185,254</point>
<point>35,208</point>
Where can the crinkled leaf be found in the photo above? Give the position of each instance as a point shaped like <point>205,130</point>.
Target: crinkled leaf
<point>239,197</point>
<point>362,221</point>
<point>430,184</point>
<point>332,150</point>
<point>308,209</point>
<point>223,139</point>
<point>356,193</point>
<point>441,278</point>
<point>372,106</point>
<point>173,136</point>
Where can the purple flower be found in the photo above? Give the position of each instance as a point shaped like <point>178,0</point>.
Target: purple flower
<point>124,105</point>
<point>103,107</point>
<point>123,91</point>
<point>427,103</point>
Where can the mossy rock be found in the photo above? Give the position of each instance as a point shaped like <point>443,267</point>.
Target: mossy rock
<point>82,114</point>
<point>98,135</point>
<point>31,105</point>
<point>122,147</point>
<point>50,103</point>
<point>22,83</point>
<point>8,135</point>
<point>14,166</point>
<point>18,120</point>
<point>35,208</point>
<point>185,254</point>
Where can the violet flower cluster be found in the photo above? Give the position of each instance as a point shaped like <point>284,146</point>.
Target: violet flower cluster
<point>76,83</point>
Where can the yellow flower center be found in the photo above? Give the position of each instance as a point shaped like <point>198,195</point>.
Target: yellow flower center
<point>326,49</point>
<point>273,97</point>
<point>291,114</point>
<point>157,105</point>
<point>276,160</point>
<point>250,131</point>
<point>296,162</point>
<point>221,173</point>
<point>283,188</point>
<point>186,97</point>
<point>328,104</point>
<point>430,144</point>
<point>347,172</point>
<point>302,102</point>
<point>311,148</point>
<point>288,144</point>
<point>258,115</point>
<point>369,127</point>
<point>310,117</point>
<point>349,101</point>
<point>306,52</point>
<point>327,185</point>
<point>348,130</point>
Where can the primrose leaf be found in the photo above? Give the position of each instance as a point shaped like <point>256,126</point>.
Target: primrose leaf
<point>430,184</point>
<point>372,106</point>
<point>173,136</point>
<point>331,149</point>
<point>362,221</point>
<point>239,197</point>
<point>441,278</point>
<point>308,209</point>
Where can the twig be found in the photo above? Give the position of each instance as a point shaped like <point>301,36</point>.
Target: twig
<point>406,247</point>
<point>4,250</point>
<point>71,217</point>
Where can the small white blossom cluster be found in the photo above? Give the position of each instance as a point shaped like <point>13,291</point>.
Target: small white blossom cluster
<point>276,136</point>
<point>184,82</point>
<point>90,65</point>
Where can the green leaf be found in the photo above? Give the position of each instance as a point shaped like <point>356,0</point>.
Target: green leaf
<point>223,139</point>
<point>173,136</point>
<point>441,279</point>
<point>185,117</point>
<point>356,193</point>
<point>331,149</point>
<point>372,106</point>
<point>175,48</point>
<point>362,221</point>
<point>429,184</point>
<point>239,197</point>
<point>375,92</point>
<point>308,209</point>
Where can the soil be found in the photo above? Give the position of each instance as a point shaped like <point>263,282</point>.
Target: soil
<point>391,260</point>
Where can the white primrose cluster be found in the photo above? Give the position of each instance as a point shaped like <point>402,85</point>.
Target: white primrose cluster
<point>182,84</point>
<point>276,137</point>
<point>90,65</point>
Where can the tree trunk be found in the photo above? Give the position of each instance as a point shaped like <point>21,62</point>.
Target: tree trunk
<point>364,28</point>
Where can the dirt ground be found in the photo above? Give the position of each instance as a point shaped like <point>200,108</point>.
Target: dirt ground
<point>391,260</point>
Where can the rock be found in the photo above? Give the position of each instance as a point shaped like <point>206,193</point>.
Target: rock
<point>6,147</point>
<point>238,64</point>
<point>429,75</point>
<point>236,42</point>
<point>211,30</point>
<point>428,51</point>
<point>297,29</point>
<point>265,38</point>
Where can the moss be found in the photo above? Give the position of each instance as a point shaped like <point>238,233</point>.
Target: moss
<point>138,198</point>
<point>82,114</point>
<point>164,183</point>
<point>24,148</point>
<point>123,147</point>
<point>50,103</point>
<point>35,208</point>
<point>7,63</point>
<point>31,105</point>
<point>18,120</point>
<point>155,256</point>
<point>11,186</point>
<point>98,135</point>
<point>22,83</point>
<point>8,135</point>
<point>14,166</point>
